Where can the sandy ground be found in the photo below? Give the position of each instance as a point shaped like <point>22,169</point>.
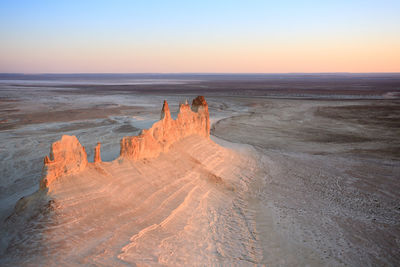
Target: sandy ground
<point>330,188</point>
<point>302,183</point>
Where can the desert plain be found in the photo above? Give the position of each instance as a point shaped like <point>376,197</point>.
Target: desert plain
<point>299,170</point>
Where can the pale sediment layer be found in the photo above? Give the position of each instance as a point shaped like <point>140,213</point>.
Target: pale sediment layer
<point>330,191</point>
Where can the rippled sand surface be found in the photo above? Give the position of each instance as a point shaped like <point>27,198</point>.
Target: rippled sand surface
<point>189,205</point>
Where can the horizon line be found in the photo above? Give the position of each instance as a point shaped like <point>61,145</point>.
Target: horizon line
<point>190,73</point>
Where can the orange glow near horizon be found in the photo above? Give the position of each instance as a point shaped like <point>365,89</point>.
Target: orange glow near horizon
<point>262,57</point>
<point>301,58</point>
<point>209,37</point>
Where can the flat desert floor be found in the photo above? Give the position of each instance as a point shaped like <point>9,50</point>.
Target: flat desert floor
<point>295,174</point>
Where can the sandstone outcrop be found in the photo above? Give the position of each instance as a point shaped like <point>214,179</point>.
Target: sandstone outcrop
<point>151,142</point>
<point>68,156</point>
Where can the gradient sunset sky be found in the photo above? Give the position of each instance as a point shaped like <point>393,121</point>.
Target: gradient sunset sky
<point>199,36</point>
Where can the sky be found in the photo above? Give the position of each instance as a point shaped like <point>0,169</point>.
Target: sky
<point>248,36</point>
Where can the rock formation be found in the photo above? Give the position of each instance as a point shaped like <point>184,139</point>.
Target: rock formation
<point>68,156</point>
<point>151,142</point>
<point>97,157</point>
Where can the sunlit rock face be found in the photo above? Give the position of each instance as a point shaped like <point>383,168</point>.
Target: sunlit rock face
<point>67,156</point>
<point>97,156</point>
<point>150,143</point>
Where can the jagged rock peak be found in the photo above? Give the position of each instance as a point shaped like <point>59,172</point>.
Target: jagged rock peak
<point>165,112</point>
<point>151,142</point>
<point>97,156</point>
<point>199,102</point>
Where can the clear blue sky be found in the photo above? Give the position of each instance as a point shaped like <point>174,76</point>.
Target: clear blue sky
<point>199,36</point>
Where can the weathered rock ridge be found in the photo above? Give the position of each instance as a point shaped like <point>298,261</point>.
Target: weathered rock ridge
<point>68,156</point>
<point>151,142</point>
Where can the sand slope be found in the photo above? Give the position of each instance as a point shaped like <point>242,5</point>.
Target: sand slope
<point>185,207</point>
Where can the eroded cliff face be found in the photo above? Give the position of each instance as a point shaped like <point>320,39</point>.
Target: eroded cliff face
<point>151,142</point>
<point>68,156</point>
